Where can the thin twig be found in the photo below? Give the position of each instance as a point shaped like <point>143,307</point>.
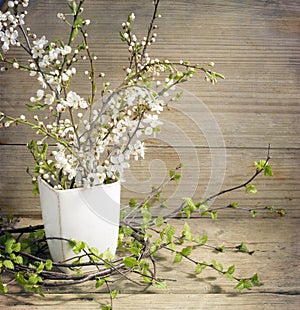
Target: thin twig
<point>257,172</point>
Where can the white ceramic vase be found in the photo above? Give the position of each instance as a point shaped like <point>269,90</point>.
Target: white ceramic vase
<point>90,215</point>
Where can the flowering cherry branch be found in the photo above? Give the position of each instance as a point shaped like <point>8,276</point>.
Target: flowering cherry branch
<point>95,149</point>
<point>138,247</point>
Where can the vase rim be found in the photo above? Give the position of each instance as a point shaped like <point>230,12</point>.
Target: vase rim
<point>78,188</point>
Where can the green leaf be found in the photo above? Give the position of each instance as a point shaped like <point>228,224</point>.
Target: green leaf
<point>159,221</point>
<point>251,189</point>
<point>231,269</point>
<point>34,279</point>
<point>189,203</point>
<point>48,264</point>
<point>1,57</point>
<point>202,240</point>
<point>99,282</point>
<point>40,267</point>
<point>220,249</point>
<point>147,216</point>
<point>78,247</point>
<point>160,284</point>
<point>171,173</point>
<point>74,34</point>
<point>36,107</point>
<point>214,214</point>
<point>268,171</point>
<point>134,250</point>
<point>243,248</point>
<point>132,202</point>
<point>243,284</point>
<point>94,254</point>
<point>201,205</point>
<point>187,232</point>
<point>190,206</point>
<point>178,258</point>
<point>200,267</point>
<point>187,251</point>
<point>260,165</point>
<point>127,231</point>
<point>172,246</point>
<point>234,205</point>
<point>3,288</point>
<point>218,267</point>
<point>130,262</point>
<point>219,75</point>
<point>229,273</point>
<point>45,148</point>
<point>8,264</point>
<point>73,7</point>
<point>108,255</point>
<point>170,232</point>
<point>20,278</point>
<point>176,178</point>
<point>281,212</point>
<point>78,22</point>
<point>113,294</point>
<point>18,260</point>
<point>9,245</point>
<point>229,276</point>
<point>205,213</point>
<point>254,280</point>
<point>254,213</point>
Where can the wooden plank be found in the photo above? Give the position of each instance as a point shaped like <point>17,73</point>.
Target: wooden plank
<point>256,45</point>
<point>205,172</point>
<point>276,246</point>
<point>155,301</point>
<point>193,122</point>
<point>252,42</point>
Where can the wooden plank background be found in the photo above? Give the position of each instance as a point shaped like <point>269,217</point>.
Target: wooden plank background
<point>217,131</point>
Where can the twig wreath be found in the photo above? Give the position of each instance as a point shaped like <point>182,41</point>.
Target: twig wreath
<point>82,159</point>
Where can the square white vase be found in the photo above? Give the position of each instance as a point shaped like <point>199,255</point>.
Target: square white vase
<point>91,215</point>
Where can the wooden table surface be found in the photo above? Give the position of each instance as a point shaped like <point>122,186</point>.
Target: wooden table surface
<point>216,131</point>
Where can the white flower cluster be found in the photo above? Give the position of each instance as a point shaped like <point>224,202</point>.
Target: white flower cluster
<point>111,138</point>
<point>95,143</point>
<point>73,101</point>
<point>9,23</point>
<point>46,57</point>
<point>49,57</point>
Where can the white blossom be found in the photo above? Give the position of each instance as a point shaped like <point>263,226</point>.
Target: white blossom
<point>54,53</point>
<point>137,150</point>
<point>25,3</point>
<point>66,50</point>
<point>152,120</point>
<point>74,101</point>
<point>9,36</point>
<point>38,48</point>
<point>40,94</point>
<point>60,108</point>
<point>49,98</point>
<point>11,4</point>
<point>148,131</point>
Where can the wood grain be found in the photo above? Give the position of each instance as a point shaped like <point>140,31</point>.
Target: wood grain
<point>275,259</point>
<point>206,172</point>
<point>217,131</point>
